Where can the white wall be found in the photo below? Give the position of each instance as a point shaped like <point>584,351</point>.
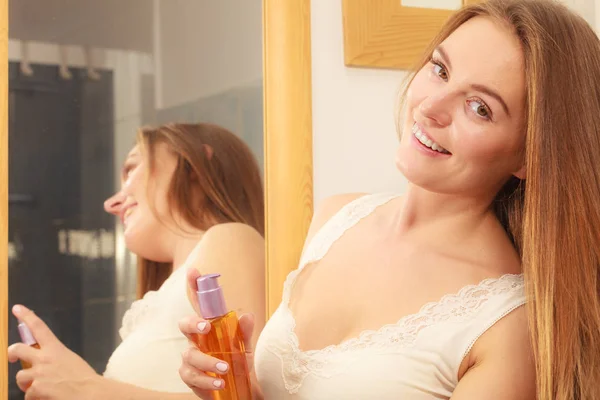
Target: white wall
<point>206,47</point>
<point>354,134</point>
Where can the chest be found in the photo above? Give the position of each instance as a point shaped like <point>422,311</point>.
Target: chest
<point>364,284</point>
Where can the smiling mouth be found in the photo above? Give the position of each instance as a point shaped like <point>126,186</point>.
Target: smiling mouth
<point>126,214</point>
<point>427,141</point>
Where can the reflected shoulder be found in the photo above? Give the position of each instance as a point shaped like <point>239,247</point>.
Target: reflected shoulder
<point>228,245</point>
<point>226,232</point>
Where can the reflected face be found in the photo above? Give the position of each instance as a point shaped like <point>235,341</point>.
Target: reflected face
<point>148,234</point>
<point>464,131</point>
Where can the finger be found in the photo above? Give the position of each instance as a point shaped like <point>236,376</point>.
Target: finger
<point>247,327</point>
<point>20,351</point>
<point>40,330</point>
<point>193,325</point>
<point>24,379</point>
<point>196,359</point>
<point>192,288</point>
<point>198,381</point>
<point>192,275</point>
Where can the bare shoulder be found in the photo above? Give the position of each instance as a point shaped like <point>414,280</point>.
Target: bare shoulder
<point>327,208</point>
<point>501,364</point>
<point>232,234</point>
<point>227,246</point>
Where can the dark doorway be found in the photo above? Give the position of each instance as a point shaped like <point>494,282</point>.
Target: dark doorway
<point>60,172</point>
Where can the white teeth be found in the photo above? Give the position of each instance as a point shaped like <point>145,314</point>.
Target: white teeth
<point>427,141</point>
<point>128,213</point>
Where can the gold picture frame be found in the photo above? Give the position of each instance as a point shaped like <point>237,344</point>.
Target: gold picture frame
<point>385,34</point>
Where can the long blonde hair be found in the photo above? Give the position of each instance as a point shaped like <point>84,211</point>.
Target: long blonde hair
<point>553,217</point>
<point>211,162</point>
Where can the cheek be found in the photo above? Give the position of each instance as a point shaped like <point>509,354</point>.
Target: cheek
<point>486,154</point>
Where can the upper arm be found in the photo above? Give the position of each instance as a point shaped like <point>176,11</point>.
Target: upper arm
<point>237,252</point>
<point>503,366</point>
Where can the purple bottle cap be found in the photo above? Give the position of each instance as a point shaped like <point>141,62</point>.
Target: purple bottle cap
<point>210,297</point>
<point>26,335</point>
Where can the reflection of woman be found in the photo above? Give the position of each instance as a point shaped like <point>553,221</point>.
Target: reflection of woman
<point>500,145</point>
<point>192,198</point>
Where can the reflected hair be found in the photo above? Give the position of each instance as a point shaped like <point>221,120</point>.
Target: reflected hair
<point>216,180</point>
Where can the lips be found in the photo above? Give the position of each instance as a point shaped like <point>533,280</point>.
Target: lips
<point>426,140</point>
<point>126,212</point>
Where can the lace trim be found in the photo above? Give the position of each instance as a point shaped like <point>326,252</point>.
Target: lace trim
<point>458,307</point>
<point>141,309</point>
<point>136,314</point>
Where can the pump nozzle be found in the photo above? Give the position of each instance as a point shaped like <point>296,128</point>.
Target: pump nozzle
<point>210,297</point>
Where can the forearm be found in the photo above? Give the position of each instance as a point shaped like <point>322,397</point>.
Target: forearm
<point>104,388</point>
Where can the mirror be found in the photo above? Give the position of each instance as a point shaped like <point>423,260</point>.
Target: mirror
<point>90,70</point>
<point>83,76</point>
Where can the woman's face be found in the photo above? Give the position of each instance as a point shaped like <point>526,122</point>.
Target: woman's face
<point>468,106</point>
<point>148,234</point>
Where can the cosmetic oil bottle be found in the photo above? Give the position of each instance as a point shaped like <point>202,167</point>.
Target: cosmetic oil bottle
<point>224,340</point>
<point>28,339</point>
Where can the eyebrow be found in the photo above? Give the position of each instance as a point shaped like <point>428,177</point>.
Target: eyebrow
<point>491,93</point>
<point>444,55</point>
<point>480,88</point>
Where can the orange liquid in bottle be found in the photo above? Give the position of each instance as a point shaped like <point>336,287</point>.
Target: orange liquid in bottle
<point>224,341</point>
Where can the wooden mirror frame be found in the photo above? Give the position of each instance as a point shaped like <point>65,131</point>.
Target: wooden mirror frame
<point>287,145</point>
<point>385,34</point>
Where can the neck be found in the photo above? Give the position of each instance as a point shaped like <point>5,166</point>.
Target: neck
<point>184,246</point>
<point>452,215</point>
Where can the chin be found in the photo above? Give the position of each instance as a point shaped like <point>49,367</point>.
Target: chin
<point>418,174</point>
<point>145,246</point>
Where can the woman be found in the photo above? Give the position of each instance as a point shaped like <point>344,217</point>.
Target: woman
<point>191,198</point>
<point>499,145</point>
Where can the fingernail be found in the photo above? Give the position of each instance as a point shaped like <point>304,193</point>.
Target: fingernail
<point>221,366</point>
<point>218,383</point>
<point>17,309</point>
<point>201,326</point>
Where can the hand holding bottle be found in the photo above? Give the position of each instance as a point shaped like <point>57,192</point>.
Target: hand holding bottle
<point>51,371</point>
<point>218,363</point>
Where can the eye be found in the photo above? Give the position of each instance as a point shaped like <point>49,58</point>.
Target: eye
<point>127,168</point>
<point>480,108</point>
<point>439,70</point>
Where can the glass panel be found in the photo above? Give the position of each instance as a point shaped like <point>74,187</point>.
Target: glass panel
<point>84,76</point>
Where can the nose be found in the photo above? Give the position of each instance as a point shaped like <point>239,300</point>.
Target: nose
<point>113,204</point>
<point>435,110</point>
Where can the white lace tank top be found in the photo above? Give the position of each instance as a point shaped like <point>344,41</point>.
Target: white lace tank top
<point>150,354</point>
<point>416,358</point>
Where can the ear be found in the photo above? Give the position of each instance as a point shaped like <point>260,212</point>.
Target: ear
<point>522,173</point>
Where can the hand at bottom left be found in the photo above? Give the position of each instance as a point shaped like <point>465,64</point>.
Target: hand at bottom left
<point>56,372</point>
